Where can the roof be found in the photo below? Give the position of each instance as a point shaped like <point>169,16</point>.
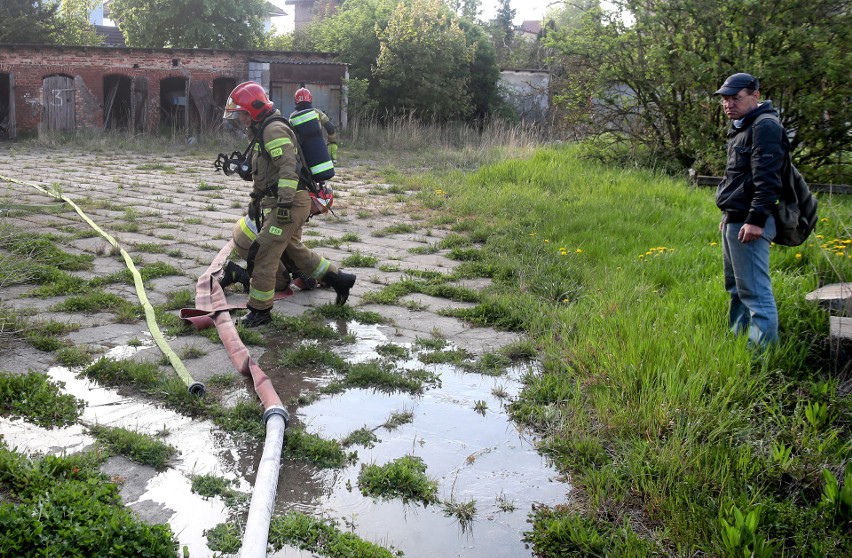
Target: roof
<point>530,26</point>
<point>111,36</point>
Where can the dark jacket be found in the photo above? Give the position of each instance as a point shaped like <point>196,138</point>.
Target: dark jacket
<point>752,182</point>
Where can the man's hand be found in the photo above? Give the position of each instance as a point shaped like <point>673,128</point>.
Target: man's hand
<point>749,232</point>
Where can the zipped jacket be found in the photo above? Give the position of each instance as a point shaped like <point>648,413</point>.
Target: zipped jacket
<point>752,183</point>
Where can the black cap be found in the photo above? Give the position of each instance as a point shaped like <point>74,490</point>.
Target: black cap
<point>736,82</point>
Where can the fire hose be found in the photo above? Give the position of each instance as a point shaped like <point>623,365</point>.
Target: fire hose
<point>212,309</point>
<point>195,388</point>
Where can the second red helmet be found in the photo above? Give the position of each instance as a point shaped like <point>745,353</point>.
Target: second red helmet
<point>303,96</point>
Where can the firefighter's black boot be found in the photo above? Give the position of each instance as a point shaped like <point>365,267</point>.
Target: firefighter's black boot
<point>233,273</point>
<point>256,318</point>
<point>341,283</point>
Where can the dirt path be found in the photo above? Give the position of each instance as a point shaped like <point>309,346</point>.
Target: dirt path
<point>177,210</point>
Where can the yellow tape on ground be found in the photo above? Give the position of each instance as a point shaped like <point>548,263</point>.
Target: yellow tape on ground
<point>150,317</point>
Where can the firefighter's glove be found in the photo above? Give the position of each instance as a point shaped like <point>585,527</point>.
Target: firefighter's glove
<point>283,215</point>
<point>254,209</point>
<point>332,150</point>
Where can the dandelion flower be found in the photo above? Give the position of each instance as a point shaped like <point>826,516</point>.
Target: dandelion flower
<point>579,251</point>
<point>798,255</point>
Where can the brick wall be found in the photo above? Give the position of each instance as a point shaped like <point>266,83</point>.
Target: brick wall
<point>28,65</point>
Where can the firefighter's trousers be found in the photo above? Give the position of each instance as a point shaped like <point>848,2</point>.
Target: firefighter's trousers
<point>274,238</point>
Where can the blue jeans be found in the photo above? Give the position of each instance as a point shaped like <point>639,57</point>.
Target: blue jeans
<point>747,280</point>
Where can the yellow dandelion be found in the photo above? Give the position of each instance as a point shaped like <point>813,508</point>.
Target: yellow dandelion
<point>820,236</point>
<point>714,243</point>
<point>546,241</point>
<point>579,251</point>
<point>847,241</point>
<point>824,220</point>
<point>798,255</point>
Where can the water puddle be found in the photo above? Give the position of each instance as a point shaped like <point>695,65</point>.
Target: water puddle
<point>203,450</point>
<point>474,455</point>
<point>460,430</point>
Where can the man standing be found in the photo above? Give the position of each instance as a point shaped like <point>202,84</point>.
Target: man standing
<point>280,201</point>
<point>747,196</point>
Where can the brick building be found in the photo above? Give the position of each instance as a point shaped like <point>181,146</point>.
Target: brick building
<point>67,88</point>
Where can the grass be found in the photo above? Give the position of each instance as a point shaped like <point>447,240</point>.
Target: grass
<point>65,506</point>
<point>321,537</point>
<point>660,416</point>
<point>326,454</point>
<point>403,478</point>
<point>135,446</point>
<point>36,399</point>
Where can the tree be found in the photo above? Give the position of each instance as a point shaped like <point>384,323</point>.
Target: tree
<point>27,21</point>
<point>354,33</point>
<point>190,23</point>
<point>424,63</point>
<point>484,72</point>
<point>73,27</point>
<point>647,69</point>
<point>502,30</point>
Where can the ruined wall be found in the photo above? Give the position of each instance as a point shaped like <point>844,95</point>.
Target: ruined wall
<point>86,67</point>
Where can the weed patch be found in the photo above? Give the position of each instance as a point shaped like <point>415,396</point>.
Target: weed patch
<point>326,454</point>
<point>402,478</point>
<point>321,537</point>
<point>135,446</point>
<point>36,399</point>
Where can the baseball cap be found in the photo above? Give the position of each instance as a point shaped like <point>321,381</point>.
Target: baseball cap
<point>736,82</point>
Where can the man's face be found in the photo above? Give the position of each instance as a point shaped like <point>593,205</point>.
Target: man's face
<point>737,106</point>
<point>244,119</point>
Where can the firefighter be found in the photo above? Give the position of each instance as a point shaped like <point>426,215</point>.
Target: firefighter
<point>304,100</point>
<point>280,203</point>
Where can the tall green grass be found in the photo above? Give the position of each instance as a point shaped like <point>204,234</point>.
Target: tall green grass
<point>666,422</point>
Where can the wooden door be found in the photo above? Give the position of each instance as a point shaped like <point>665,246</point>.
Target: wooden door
<point>58,98</point>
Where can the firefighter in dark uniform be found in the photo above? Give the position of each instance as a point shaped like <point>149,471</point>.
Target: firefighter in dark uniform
<point>279,201</point>
<point>304,100</point>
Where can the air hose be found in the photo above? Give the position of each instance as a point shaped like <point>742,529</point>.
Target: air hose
<point>195,388</point>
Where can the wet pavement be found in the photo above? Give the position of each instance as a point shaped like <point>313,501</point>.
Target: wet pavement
<point>178,211</point>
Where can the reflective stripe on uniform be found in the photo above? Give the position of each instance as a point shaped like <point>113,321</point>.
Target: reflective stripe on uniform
<point>278,142</point>
<point>321,269</point>
<point>322,167</point>
<point>262,296</point>
<point>287,183</point>
<point>248,228</point>
<point>302,118</point>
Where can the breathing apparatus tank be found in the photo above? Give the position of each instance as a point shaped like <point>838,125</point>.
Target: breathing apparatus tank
<point>306,123</point>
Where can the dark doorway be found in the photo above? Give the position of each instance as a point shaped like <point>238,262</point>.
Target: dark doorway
<point>222,88</point>
<point>117,102</point>
<point>7,112</point>
<point>140,104</point>
<point>173,103</point>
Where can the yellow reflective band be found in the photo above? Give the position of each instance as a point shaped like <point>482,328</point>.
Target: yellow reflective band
<point>301,119</point>
<point>275,230</point>
<point>262,296</point>
<point>322,167</point>
<point>287,183</point>
<point>278,142</point>
<point>321,269</point>
<point>246,228</point>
